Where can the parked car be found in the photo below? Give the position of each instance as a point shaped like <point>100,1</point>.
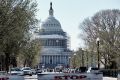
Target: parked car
<point>33,71</point>
<point>81,70</point>
<point>3,75</point>
<point>38,71</point>
<point>16,71</point>
<point>27,71</point>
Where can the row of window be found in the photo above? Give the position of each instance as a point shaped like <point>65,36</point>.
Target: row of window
<point>51,25</point>
<point>43,32</point>
<point>53,42</point>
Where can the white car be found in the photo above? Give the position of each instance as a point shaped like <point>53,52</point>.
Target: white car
<point>93,70</point>
<point>16,71</point>
<point>27,71</point>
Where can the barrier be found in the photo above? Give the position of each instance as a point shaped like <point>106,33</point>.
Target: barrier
<point>71,76</point>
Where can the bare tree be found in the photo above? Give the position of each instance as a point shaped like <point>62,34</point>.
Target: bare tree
<point>104,24</point>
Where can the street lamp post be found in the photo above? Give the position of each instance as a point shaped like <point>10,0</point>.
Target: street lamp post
<point>98,41</point>
<point>74,60</point>
<point>82,58</point>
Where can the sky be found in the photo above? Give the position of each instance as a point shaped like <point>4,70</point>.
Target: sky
<point>71,13</point>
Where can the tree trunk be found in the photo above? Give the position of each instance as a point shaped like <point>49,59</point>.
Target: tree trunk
<point>113,65</point>
<point>24,63</point>
<point>14,62</point>
<point>7,58</point>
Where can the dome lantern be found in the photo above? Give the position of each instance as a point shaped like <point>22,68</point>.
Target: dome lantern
<point>51,10</point>
<point>51,23</point>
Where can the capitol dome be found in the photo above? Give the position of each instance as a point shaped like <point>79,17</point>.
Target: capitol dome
<point>51,24</point>
<point>54,43</point>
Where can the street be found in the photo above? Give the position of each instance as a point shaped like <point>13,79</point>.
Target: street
<point>34,77</point>
<point>108,78</point>
<point>15,77</point>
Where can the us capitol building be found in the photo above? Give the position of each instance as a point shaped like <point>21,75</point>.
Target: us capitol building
<point>54,41</point>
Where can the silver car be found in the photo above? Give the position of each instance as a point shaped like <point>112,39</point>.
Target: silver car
<point>27,71</point>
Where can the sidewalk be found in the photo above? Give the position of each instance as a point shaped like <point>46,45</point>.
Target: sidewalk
<point>109,78</point>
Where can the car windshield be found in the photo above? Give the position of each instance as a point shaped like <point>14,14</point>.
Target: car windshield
<point>15,69</point>
<point>32,69</point>
<point>94,69</point>
<point>26,69</point>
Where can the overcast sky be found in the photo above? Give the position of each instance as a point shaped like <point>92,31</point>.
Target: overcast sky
<point>71,13</point>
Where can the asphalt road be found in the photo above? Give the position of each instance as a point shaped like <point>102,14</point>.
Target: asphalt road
<point>15,77</point>
<point>109,78</point>
<point>34,77</point>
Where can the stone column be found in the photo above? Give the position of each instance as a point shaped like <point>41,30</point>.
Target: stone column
<point>45,59</point>
<point>52,59</point>
<point>48,59</point>
<point>60,59</point>
<point>42,59</point>
<point>55,59</point>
